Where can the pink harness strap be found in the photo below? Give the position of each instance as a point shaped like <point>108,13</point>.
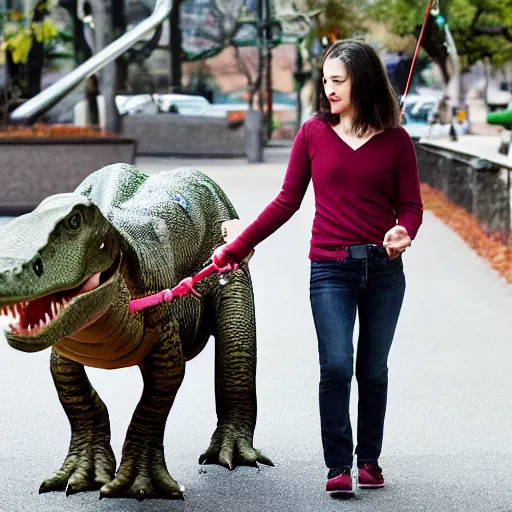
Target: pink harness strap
<point>183,288</point>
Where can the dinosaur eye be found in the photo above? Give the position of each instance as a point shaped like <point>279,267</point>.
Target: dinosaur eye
<point>74,221</point>
<point>38,267</point>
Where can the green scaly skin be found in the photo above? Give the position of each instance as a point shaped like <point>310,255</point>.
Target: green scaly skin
<point>81,257</point>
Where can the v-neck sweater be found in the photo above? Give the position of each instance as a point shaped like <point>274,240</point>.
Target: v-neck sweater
<point>360,194</point>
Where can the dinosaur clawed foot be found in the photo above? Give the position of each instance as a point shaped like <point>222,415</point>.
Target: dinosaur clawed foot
<point>85,469</point>
<point>138,480</point>
<point>230,449</point>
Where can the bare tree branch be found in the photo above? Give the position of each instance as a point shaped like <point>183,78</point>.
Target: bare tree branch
<point>253,79</point>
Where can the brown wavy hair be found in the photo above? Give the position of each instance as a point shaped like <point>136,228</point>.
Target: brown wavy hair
<point>372,96</point>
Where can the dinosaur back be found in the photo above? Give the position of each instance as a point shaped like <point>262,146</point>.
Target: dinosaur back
<point>169,222</point>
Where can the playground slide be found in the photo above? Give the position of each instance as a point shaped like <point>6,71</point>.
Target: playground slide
<point>46,99</point>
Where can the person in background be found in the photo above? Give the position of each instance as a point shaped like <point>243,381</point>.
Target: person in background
<point>368,209</point>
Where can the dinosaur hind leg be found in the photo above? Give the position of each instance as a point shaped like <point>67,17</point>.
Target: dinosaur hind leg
<point>235,376</point>
<point>90,462</point>
<point>143,472</point>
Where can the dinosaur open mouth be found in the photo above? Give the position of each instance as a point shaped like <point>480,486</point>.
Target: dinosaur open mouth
<point>33,316</point>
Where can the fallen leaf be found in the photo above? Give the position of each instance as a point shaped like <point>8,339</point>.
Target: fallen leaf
<point>495,248</point>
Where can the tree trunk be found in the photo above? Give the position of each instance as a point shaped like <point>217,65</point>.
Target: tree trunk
<point>453,87</point>
<point>27,77</point>
<point>175,47</point>
<point>487,72</point>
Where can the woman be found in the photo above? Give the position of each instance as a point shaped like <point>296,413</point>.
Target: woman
<point>368,208</point>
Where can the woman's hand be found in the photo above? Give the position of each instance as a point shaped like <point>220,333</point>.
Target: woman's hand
<point>225,255</point>
<point>233,252</point>
<point>222,257</point>
<point>396,241</point>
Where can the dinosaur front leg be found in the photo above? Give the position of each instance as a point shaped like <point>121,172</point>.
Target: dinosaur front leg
<point>235,377</point>
<point>143,472</point>
<point>90,462</point>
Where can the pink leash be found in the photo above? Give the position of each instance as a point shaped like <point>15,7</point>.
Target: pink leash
<point>184,287</point>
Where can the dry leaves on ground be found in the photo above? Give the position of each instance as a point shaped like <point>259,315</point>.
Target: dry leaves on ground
<point>52,131</point>
<point>493,248</point>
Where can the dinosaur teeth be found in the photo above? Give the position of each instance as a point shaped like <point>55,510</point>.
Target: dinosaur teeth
<point>11,311</point>
<point>23,321</point>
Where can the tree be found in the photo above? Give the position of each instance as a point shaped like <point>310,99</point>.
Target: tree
<point>25,41</point>
<point>332,20</point>
<point>480,28</point>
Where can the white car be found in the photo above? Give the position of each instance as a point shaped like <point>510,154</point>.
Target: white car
<point>418,107</point>
<point>184,104</point>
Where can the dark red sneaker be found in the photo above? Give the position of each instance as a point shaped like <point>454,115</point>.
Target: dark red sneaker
<point>370,476</point>
<point>339,481</point>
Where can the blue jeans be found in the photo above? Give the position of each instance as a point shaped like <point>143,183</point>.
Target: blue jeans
<point>375,289</point>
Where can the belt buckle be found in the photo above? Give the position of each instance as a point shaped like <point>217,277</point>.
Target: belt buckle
<point>360,252</point>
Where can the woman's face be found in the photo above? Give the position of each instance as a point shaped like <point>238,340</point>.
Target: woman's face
<point>337,86</point>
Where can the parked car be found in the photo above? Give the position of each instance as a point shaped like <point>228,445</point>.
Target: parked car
<point>499,97</point>
<point>186,105</point>
<point>183,104</point>
<point>418,107</point>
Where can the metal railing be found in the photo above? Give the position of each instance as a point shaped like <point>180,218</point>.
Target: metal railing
<point>46,99</point>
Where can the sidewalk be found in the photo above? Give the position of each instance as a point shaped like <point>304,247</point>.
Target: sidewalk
<point>447,440</point>
<point>479,146</point>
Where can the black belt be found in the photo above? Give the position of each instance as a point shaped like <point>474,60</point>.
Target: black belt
<point>364,251</point>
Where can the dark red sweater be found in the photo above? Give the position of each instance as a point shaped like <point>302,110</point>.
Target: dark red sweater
<point>359,194</point>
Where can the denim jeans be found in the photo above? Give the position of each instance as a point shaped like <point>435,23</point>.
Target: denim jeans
<point>375,289</point>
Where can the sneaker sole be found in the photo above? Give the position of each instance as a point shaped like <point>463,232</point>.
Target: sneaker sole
<point>340,493</point>
<point>370,486</point>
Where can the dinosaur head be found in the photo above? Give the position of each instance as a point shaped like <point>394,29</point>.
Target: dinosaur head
<point>59,271</point>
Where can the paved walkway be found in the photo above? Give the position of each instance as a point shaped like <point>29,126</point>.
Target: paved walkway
<point>477,146</point>
<point>448,436</point>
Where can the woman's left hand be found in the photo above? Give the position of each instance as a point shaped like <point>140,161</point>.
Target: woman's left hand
<point>396,241</point>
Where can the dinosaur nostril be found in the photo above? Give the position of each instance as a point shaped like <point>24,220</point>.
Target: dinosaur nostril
<point>38,267</point>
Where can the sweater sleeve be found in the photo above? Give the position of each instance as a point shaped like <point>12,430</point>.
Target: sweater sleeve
<point>409,209</point>
<point>282,208</point>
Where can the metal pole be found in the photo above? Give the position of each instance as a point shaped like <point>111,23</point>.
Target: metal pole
<point>262,43</point>
<point>268,62</point>
<point>254,119</point>
<point>299,81</point>
<point>175,47</point>
<point>5,106</point>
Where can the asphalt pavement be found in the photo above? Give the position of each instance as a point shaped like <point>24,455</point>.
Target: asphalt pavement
<point>447,443</point>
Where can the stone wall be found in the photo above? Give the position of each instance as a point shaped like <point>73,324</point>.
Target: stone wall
<point>480,186</point>
<point>173,134</point>
<point>32,170</point>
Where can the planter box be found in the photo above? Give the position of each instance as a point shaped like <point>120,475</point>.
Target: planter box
<point>173,134</point>
<point>32,169</point>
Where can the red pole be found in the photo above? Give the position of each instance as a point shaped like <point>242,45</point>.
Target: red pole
<point>416,51</point>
